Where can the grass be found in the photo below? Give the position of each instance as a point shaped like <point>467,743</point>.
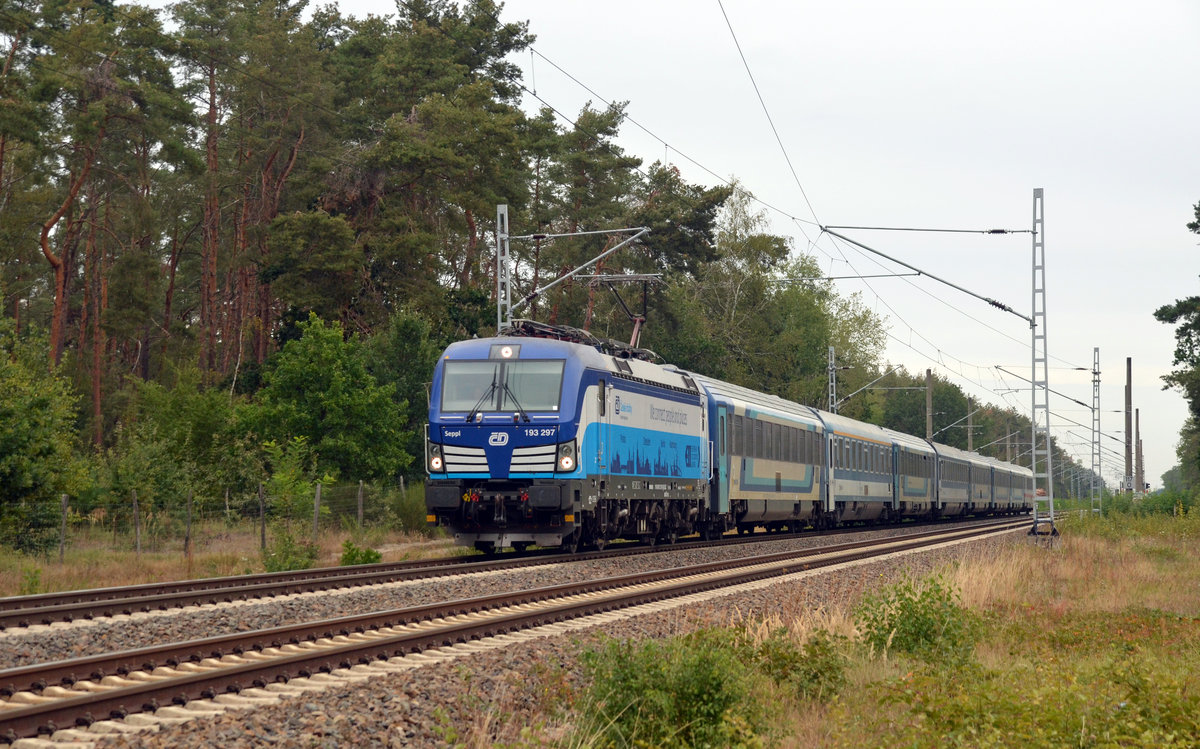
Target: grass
<point>1091,642</point>
<point>98,558</point>
<point>93,560</point>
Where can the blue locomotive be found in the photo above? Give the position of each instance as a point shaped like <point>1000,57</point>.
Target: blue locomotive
<point>547,435</point>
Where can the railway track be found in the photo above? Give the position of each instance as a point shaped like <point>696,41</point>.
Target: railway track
<point>42,699</point>
<point>48,608</point>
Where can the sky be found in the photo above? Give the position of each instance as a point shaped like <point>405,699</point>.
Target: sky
<point>933,114</point>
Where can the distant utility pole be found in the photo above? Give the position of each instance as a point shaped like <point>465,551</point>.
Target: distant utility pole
<point>1128,483</point>
<point>970,431</point>
<point>1041,455</point>
<point>832,382</point>
<point>929,404</point>
<point>1139,471</point>
<point>1095,490</point>
<point>833,370</point>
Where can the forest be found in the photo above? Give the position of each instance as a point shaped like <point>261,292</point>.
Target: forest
<point>235,236</point>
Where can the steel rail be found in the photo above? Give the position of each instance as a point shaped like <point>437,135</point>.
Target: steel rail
<point>495,616</point>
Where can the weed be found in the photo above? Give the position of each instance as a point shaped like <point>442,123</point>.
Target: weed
<point>687,692</point>
<point>31,581</point>
<point>353,554</point>
<point>286,553</point>
<point>814,670</point>
<point>925,619</point>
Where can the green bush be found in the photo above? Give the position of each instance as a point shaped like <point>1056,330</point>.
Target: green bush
<point>925,620</point>
<point>409,509</point>
<point>286,553</point>
<point>815,670</point>
<point>352,554</point>
<point>691,691</point>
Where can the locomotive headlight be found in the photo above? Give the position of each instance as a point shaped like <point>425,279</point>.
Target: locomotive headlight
<point>436,463</point>
<point>566,456</point>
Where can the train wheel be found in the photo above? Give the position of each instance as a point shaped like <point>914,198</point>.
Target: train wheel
<point>570,544</point>
<point>487,547</point>
<point>520,546</point>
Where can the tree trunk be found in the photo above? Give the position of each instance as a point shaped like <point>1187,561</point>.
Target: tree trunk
<point>472,254</point>
<point>94,295</point>
<point>58,318</point>
<point>209,239</point>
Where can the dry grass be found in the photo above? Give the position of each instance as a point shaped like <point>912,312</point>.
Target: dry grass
<point>1092,574</point>
<point>93,560</point>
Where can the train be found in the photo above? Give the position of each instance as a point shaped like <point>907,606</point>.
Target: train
<point>546,435</point>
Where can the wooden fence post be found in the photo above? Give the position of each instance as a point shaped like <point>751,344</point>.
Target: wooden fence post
<point>137,525</point>
<point>62,533</point>
<point>316,512</point>
<point>360,492</point>
<point>187,535</point>
<point>262,519</point>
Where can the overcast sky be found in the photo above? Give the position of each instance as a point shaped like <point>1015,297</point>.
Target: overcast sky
<point>932,113</point>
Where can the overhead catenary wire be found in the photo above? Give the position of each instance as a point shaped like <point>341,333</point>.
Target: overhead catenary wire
<point>766,111</point>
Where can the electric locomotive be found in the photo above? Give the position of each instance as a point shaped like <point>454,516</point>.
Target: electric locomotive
<point>537,438</point>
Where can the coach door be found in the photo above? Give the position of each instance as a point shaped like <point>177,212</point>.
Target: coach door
<point>721,463</point>
<point>604,448</point>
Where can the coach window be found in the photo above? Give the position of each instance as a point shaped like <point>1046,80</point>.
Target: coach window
<point>722,448</point>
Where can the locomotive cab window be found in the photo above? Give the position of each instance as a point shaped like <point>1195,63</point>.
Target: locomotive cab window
<point>491,386</point>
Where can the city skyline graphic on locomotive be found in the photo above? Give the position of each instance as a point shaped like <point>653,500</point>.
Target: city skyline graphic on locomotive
<point>548,436</point>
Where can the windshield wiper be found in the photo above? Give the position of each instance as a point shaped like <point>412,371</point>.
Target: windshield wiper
<point>516,402</point>
<point>491,389</point>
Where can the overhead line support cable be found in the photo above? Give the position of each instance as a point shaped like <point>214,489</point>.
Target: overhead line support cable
<point>945,231</point>
<point>993,302</point>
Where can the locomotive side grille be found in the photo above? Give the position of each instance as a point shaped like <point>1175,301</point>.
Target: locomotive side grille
<point>465,459</point>
<point>540,458</point>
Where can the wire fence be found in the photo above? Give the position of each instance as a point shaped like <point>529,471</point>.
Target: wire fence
<point>187,522</point>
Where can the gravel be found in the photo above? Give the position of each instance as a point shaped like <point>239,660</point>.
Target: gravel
<point>484,697</point>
